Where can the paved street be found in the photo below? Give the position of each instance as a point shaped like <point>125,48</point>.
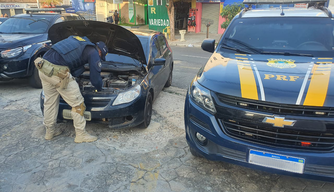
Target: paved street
<point>152,159</point>
<point>187,62</point>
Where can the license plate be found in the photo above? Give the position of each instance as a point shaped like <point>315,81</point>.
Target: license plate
<point>67,115</point>
<point>276,161</point>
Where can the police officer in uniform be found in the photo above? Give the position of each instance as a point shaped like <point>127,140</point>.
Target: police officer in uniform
<point>64,61</point>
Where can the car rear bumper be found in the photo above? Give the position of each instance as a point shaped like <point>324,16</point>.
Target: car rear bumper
<point>220,147</point>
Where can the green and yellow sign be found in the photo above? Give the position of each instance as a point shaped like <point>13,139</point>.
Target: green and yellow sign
<point>157,15</point>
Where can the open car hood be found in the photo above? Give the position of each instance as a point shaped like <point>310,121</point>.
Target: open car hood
<point>118,39</point>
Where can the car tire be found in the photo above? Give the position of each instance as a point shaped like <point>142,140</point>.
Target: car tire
<point>194,152</point>
<point>147,112</point>
<point>170,79</point>
<point>34,80</point>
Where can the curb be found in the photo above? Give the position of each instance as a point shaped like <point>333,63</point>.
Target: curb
<point>197,45</point>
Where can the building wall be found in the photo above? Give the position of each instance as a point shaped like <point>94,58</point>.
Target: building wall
<point>100,8</point>
<point>18,1</point>
<point>198,17</point>
<point>125,11</point>
<point>111,7</point>
<point>331,5</point>
<point>13,7</point>
<point>140,11</point>
<point>66,2</point>
<point>106,8</point>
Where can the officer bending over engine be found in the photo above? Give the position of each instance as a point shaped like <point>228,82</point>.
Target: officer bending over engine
<point>64,61</point>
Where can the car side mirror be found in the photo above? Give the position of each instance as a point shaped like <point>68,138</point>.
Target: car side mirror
<point>159,61</point>
<point>208,45</point>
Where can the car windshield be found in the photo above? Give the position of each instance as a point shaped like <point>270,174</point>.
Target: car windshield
<point>282,36</point>
<point>24,25</point>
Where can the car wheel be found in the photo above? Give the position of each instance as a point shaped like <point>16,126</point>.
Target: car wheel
<point>34,79</point>
<point>170,79</point>
<point>147,112</point>
<point>194,152</point>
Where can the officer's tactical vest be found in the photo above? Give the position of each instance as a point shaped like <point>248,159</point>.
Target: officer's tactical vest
<point>71,50</point>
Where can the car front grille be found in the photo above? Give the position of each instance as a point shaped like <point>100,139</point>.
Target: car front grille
<point>100,102</point>
<point>97,103</point>
<point>278,136</point>
<point>279,109</point>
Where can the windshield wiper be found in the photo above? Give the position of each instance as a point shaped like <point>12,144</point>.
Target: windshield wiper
<point>243,44</point>
<point>286,53</point>
<point>234,49</point>
<point>20,33</point>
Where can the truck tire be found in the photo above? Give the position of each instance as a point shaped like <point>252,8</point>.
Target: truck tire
<point>194,152</point>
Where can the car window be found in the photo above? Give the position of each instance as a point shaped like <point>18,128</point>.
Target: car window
<point>61,19</point>
<point>162,43</point>
<point>25,25</point>
<point>312,36</point>
<point>155,48</point>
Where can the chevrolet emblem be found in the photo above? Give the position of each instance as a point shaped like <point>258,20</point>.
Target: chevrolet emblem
<point>279,121</point>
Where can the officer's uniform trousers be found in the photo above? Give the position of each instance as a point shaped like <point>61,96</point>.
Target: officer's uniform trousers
<point>71,94</point>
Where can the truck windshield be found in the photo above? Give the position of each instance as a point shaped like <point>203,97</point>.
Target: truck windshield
<point>283,36</point>
<point>24,26</point>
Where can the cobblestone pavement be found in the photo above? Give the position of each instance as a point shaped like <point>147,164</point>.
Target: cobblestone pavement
<point>152,159</point>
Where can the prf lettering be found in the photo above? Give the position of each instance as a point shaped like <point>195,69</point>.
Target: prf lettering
<point>153,10</point>
<point>280,77</point>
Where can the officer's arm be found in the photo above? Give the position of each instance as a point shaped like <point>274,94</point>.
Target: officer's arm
<point>95,70</point>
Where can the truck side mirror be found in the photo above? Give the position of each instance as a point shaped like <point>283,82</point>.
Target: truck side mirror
<point>208,45</point>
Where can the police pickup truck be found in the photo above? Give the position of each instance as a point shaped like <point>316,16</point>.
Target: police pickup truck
<point>23,38</point>
<point>265,98</point>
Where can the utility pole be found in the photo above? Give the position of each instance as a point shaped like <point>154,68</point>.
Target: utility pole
<point>37,3</point>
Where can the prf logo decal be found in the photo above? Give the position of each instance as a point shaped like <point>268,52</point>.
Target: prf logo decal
<point>79,38</point>
<point>281,63</point>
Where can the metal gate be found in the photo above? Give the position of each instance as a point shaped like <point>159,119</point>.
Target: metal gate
<point>5,11</point>
<point>210,13</point>
<point>18,11</point>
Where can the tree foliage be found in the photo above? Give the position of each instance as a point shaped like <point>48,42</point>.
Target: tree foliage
<point>229,12</point>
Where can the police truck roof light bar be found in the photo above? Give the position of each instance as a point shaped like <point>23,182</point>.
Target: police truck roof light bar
<point>31,10</point>
<point>282,1</point>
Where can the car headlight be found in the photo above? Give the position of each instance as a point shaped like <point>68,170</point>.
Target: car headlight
<point>10,53</point>
<point>127,96</point>
<point>202,97</point>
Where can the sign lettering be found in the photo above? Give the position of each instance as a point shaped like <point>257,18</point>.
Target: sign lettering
<point>153,10</point>
<point>281,77</point>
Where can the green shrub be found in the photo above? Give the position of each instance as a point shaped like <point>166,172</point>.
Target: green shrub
<point>229,12</point>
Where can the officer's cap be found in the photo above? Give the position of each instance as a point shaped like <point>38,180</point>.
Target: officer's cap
<point>103,48</point>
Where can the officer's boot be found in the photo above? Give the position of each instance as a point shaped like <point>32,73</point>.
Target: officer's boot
<point>52,132</point>
<point>82,136</point>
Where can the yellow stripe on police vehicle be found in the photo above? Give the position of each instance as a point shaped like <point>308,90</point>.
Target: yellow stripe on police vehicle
<point>317,91</point>
<point>247,80</point>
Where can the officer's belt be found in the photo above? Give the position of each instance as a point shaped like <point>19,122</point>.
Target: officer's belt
<point>50,69</point>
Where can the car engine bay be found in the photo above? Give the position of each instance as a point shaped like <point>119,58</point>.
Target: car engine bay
<point>113,82</point>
